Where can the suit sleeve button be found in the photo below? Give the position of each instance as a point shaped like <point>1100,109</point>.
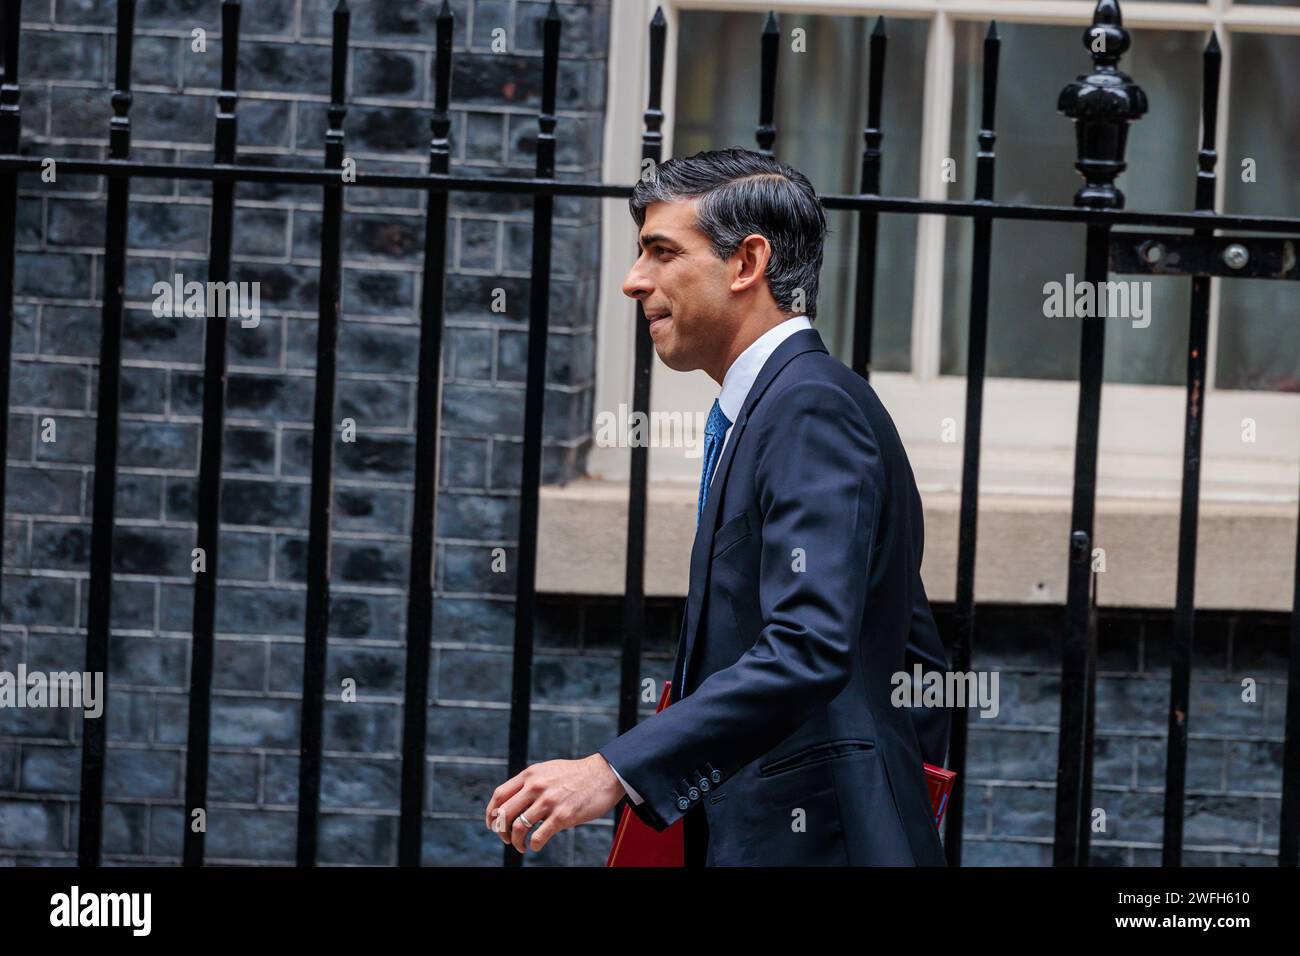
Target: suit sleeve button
<point>683,803</point>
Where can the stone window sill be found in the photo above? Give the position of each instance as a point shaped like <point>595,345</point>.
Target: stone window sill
<point>1245,550</point>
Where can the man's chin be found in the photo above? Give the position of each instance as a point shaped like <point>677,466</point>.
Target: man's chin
<point>675,361</point>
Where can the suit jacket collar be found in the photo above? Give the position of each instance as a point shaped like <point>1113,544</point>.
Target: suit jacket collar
<point>807,340</point>
<point>740,378</point>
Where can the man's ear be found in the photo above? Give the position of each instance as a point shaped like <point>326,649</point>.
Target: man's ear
<point>754,253</point>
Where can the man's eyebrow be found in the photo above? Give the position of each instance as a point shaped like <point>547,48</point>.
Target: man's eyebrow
<point>651,238</point>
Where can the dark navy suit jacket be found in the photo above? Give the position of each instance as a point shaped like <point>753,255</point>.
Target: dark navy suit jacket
<point>782,746</point>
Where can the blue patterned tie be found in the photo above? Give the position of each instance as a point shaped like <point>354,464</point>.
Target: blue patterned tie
<point>715,430</point>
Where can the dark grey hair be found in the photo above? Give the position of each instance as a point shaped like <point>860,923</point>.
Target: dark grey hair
<point>740,193</point>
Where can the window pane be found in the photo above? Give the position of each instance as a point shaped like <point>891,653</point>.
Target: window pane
<point>821,107</point>
<point>1035,164</point>
<point>1259,319</point>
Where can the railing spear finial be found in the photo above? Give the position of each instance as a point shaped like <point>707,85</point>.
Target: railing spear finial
<point>1102,104</point>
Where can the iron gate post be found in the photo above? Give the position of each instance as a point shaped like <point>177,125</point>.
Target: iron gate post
<point>1102,104</point>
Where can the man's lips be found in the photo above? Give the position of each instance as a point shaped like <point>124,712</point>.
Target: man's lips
<point>656,319</point>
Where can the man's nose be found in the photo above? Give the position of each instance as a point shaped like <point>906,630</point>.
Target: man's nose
<point>636,285</point>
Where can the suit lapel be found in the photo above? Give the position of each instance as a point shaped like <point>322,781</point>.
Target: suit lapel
<point>805,340</point>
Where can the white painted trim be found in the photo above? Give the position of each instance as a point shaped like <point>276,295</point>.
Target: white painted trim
<point>1032,422</point>
<point>626,85</point>
<point>927,294</point>
<point>1036,417</point>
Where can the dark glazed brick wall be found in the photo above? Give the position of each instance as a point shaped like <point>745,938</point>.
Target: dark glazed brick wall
<point>67,67</point>
<point>1234,761</point>
<point>1235,751</point>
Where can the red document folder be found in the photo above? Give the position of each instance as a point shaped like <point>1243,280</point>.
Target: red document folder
<point>638,844</point>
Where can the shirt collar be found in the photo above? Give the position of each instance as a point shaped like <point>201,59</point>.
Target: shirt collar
<point>738,380</point>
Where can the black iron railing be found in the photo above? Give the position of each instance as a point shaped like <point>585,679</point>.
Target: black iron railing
<point>1101,103</point>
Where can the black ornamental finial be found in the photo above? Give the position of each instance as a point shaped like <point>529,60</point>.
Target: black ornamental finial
<point>1102,104</point>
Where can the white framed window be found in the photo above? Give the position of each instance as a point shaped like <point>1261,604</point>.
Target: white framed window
<point>932,93</point>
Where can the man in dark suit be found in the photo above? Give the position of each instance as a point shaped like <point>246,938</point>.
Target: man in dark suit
<point>781,745</point>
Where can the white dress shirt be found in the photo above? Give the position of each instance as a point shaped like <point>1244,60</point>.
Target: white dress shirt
<point>739,379</point>
<point>736,383</point>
